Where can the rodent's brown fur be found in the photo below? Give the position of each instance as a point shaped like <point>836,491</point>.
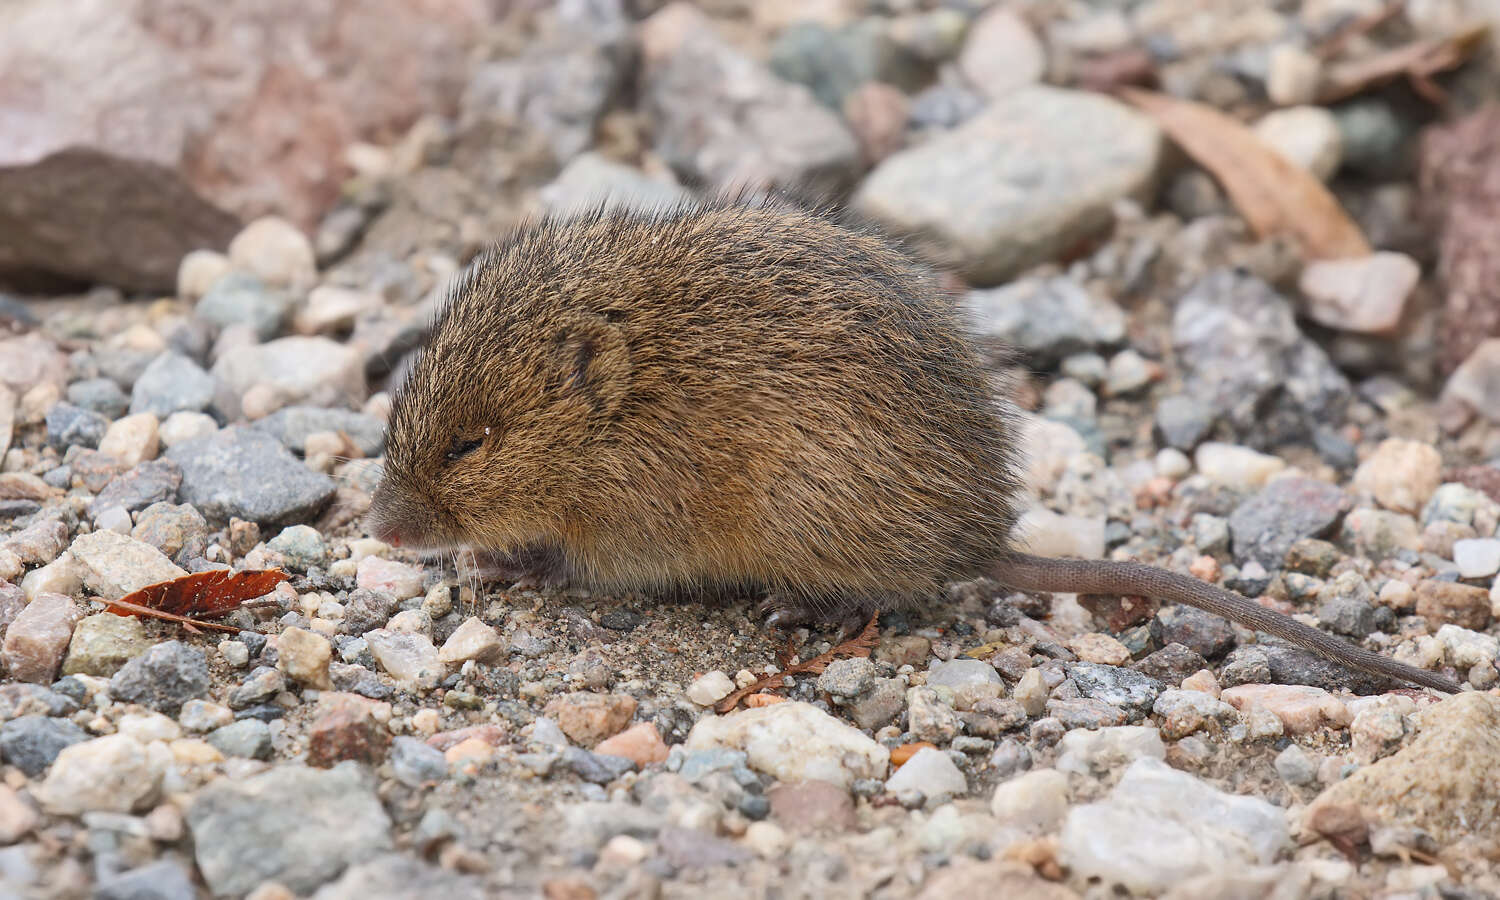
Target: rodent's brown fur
<point>729,394</point>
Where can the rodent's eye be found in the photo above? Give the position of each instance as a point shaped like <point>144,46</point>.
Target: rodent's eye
<point>461,448</point>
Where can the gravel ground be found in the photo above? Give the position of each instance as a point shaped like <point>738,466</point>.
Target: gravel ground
<point>387,726</point>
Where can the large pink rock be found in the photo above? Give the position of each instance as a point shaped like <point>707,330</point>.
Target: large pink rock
<point>36,641</point>
<point>251,103</point>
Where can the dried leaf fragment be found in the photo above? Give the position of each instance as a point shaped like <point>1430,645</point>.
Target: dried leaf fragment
<point>1274,195</point>
<point>859,645</point>
<point>213,593</point>
<point>1418,61</point>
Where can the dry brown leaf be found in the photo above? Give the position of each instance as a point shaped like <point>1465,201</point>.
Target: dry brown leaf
<point>213,593</point>
<point>1418,61</point>
<point>859,645</point>
<point>1274,195</point>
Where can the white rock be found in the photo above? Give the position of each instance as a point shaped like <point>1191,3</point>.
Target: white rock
<point>397,579</point>
<point>305,657</point>
<point>149,726</point>
<point>1160,827</point>
<point>1235,466</point>
<point>113,518</point>
<point>1034,801</point>
<point>710,688</point>
<point>184,426</point>
<point>1047,533</point>
<point>472,639</point>
<point>1307,136</point>
<point>276,251</point>
<point>1292,75</point>
<point>330,309</point>
<point>114,773</point>
<point>1049,445</point>
<point>198,271</point>
<point>405,656</point>
<point>794,741</point>
<point>931,773</point>
<point>113,565</point>
<point>767,839</point>
<point>1087,752</point>
<point>63,575</point>
<point>1365,295</point>
<point>1001,53</point>
<point>317,371</point>
<point>1402,475</point>
<point>1172,463</point>
<point>1464,649</point>
<point>132,439</point>
<point>1477,558</point>
<point>411,620</point>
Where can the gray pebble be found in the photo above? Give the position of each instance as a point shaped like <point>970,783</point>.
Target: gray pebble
<point>244,473</point>
<point>100,395</point>
<point>415,763</point>
<point>248,738</point>
<point>74,426</point>
<point>172,383</point>
<point>163,678</point>
<point>32,742</point>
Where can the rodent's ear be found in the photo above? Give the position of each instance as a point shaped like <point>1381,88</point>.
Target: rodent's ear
<point>595,362</point>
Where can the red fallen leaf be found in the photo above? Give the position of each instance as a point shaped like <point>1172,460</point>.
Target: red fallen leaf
<point>214,593</point>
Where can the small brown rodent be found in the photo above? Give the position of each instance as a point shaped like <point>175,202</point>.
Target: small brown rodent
<point>725,395</point>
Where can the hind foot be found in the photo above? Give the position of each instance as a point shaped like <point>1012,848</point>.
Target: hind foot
<point>784,614</point>
<point>531,568</point>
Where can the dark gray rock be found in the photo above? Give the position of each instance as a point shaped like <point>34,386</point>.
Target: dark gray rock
<point>249,738</point>
<point>172,383</point>
<point>153,481</point>
<point>366,610</point>
<point>32,742</point>
<point>74,426</point>
<point>598,768</point>
<point>1243,355</point>
<point>161,880</point>
<point>21,699</point>
<point>292,425</point>
<point>1265,526</point>
<point>258,687</point>
<point>414,763</point>
<point>248,474</point>
<point>1203,633</point>
<point>100,395</point>
<point>1171,663</point>
<point>240,298</point>
<point>163,678</point>
<point>241,827</point>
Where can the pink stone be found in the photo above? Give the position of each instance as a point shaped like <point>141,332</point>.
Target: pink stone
<point>36,641</point>
<point>641,744</point>
<point>1299,707</point>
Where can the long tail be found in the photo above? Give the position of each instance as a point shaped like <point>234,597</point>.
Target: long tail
<point>1022,571</point>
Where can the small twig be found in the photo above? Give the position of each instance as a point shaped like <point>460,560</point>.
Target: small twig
<point>857,646</point>
<point>1362,25</point>
<point>170,617</point>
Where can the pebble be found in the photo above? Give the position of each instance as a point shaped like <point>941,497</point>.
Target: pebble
<point>1402,475</point>
<point>969,680</point>
<point>1292,75</point>
<point>346,728</point>
<point>794,741</point>
<point>61,576</point>
<point>930,773</point>
<point>100,395</point>
<point>1296,766</point>
<point>17,817</point>
<point>929,718</point>
<point>1034,801</point>
<point>113,565</point>
<point>113,773</point>
<point>1449,602</point>
<point>1183,421</point>
<point>1477,558</point>
<point>201,716</point>
<point>302,547</point>
<point>1086,752</point>
<point>73,426</point>
<point>149,726</point>
<point>275,250</point>
<point>243,299</point>
<point>706,690</point>
<point>389,577</point>
<point>1300,708</point>
<point>405,656</point>
<point>1047,319</point>
<point>1453,757</point>
<point>304,657</point>
<point>640,743</point>
<point>1001,54</point>
<point>1160,827</point>
<point>38,637</point>
<point>1046,533</point>
<point>198,271</point>
<point>102,643</point>
<point>1234,466</point>
<point>847,678</point>
<point>1030,175</point>
<point>1473,382</point>
<point>32,742</point>
<point>473,639</point>
<point>1031,693</point>
<point>1095,647</point>
<point>588,718</point>
<point>1366,295</point>
<point>184,426</point>
<point>1125,688</point>
<point>1380,534</point>
<point>172,384</point>
<point>239,827</point>
<point>40,542</point>
<point>151,482</point>
<point>243,473</point>
<point>163,678</point>
<point>294,370</point>
<point>414,763</point>
<point>1265,526</point>
<point>161,880</point>
<point>806,807</point>
<point>132,439</point>
<point>293,425</point>
<point>882,704</point>
<point>590,179</point>
<point>1307,136</point>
